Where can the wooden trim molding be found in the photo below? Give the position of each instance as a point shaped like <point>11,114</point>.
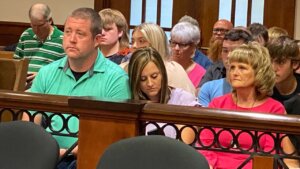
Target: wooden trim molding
<point>10,31</point>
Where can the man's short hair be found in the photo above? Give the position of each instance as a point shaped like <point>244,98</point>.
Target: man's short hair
<point>257,30</point>
<point>89,14</point>
<point>40,9</point>
<point>283,48</point>
<point>237,34</point>
<point>189,19</point>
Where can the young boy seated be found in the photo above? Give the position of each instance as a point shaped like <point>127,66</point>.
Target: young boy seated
<point>285,57</point>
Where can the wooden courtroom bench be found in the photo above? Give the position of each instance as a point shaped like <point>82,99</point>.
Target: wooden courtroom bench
<point>7,54</point>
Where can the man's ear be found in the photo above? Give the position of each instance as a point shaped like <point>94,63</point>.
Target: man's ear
<point>51,21</point>
<point>120,34</point>
<point>97,39</point>
<point>296,64</point>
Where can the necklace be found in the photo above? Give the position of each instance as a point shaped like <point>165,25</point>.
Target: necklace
<point>250,108</point>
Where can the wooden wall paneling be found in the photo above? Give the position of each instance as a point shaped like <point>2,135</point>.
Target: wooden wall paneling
<point>98,4</point>
<point>233,12</point>
<point>249,12</point>
<point>280,13</point>
<point>10,32</point>
<point>181,8</point>
<point>207,13</point>
<point>123,6</point>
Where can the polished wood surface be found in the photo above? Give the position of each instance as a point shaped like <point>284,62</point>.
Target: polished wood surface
<point>35,101</point>
<point>221,118</point>
<point>7,54</point>
<point>13,74</point>
<point>10,32</point>
<point>260,162</point>
<point>103,122</point>
<point>281,14</point>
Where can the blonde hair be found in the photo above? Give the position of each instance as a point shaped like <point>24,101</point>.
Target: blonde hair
<point>258,58</point>
<point>275,32</point>
<point>110,16</point>
<point>157,38</point>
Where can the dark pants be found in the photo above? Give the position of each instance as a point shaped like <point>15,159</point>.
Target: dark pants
<point>68,162</point>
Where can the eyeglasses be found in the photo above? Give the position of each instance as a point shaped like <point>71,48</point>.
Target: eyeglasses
<point>221,30</point>
<point>180,45</point>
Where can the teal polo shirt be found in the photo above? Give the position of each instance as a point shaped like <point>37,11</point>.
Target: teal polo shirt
<point>105,80</point>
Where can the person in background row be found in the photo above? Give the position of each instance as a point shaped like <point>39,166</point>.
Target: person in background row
<point>259,33</point>
<point>252,79</point>
<point>83,72</point>
<point>11,47</point>
<point>42,43</point>
<point>215,43</point>
<point>152,35</point>
<point>148,80</point>
<point>184,40</point>
<point>114,42</point>
<point>219,87</point>
<point>275,32</point>
<point>199,57</point>
<point>218,70</point>
<point>298,43</point>
<point>285,58</point>
<point>214,51</point>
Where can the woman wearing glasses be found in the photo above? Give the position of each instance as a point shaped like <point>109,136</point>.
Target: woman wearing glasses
<point>184,40</point>
<point>152,35</point>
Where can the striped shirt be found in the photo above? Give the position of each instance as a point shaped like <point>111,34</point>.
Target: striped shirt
<point>38,53</point>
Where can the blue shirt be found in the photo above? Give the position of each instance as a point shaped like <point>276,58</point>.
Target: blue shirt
<point>213,89</point>
<point>202,59</point>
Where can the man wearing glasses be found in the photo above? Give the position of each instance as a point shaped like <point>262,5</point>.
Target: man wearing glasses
<point>215,71</point>
<point>42,43</point>
<point>220,28</point>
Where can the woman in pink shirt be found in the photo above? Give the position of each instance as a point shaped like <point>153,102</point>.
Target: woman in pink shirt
<point>252,79</point>
<point>184,40</point>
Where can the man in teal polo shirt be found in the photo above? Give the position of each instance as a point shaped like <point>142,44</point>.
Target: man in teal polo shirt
<point>84,71</point>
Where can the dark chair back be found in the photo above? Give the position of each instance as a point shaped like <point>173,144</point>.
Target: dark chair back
<point>151,152</point>
<point>25,145</point>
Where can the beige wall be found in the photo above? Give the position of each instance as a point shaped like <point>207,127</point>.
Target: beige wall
<point>297,20</point>
<point>17,10</point>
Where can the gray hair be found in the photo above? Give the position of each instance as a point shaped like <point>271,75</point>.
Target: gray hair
<point>39,9</point>
<point>187,32</point>
<point>187,18</point>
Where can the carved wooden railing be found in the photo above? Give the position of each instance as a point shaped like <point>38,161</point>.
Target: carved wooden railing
<point>104,122</point>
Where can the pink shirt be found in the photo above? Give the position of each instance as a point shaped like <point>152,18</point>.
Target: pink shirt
<point>229,160</point>
<point>196,74</point>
